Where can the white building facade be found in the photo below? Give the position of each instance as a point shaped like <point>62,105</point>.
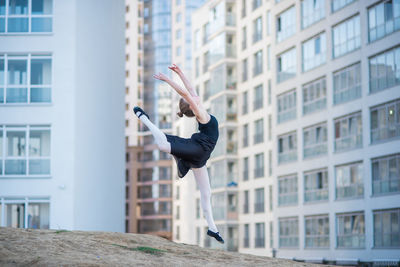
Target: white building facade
<point>313,86</point>
<point>62,114</point>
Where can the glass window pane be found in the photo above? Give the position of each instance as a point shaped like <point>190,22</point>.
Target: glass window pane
<point>18,7</point>
<point>15,144</point>
<point>2,74</point>
<point>38,215</point>
<point>42,7</point>
<point>15,167</point>
<point>40,71</point>
<point>17,74</point>
<point>2,24</point>
<point>15,215</point>
<point>17,95</point>
<point>40,95</point>
<point>41,25</point>
<point>39,166</point>
<point>17,25</point>
<point>39,143</point>
<point>1,146</point>
<point>2,7</point>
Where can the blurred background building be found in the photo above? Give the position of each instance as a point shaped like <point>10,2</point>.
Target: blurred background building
<point>61,114</point>
<point>306,93</point>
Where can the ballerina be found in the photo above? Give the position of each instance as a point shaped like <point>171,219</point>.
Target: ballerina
<point>189,153</point>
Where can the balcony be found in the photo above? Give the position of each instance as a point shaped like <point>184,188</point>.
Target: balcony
<point>287,199</point>
<point>285,157</point>
<point>316,195</point>
<point>258,138</point>
<point>259,172</point>
<point>258,207</point>
<point>385,133</point>
<point>386,186</point>
<point>286,115</point>
<point>315,150</point>
<point>354,190</point>
<point>349,142</point>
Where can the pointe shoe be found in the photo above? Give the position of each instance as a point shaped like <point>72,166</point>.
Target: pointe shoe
<point>138,109</point>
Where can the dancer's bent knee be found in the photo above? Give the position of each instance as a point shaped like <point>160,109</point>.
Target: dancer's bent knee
<point>164,147</point>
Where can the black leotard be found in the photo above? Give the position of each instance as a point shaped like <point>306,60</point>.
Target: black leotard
<point>196,150</point>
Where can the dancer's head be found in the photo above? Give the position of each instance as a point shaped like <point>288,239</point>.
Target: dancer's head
<point>185,109</point>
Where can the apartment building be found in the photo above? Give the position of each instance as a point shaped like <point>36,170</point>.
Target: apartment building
<point>148,171</point>
<point>306,93</point>
<point>61,121</point>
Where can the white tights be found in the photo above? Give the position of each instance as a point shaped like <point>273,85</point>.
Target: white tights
<point>200,174</point>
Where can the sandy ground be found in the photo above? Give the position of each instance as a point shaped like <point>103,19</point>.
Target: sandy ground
<point>29,247</point>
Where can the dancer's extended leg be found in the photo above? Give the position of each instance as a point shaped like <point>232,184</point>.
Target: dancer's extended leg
<point>159,137</point>
<point>201,176</point>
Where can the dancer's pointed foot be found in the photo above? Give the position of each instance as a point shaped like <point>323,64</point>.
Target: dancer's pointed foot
<point>139,112</point>
<point>216,235</point>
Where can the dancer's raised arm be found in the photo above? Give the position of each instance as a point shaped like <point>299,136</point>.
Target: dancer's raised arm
<point>185,81</point>
<point>194,101</point>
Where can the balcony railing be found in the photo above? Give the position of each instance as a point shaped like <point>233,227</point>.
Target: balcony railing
<point>348,142</point>
<point>287,115</point>
<point>385,186</point>
<point>289,156</point>
<point>385,133</point>
<point>315,150</point>
<point>258,207</point>
<point>145,178</point>
<point>259,172</point>
<point>259,242</point>
<point>287,199</point>
<point>354,190</point>
<point>258,138</point>
<point>316,195</point>
<point>351,241</point>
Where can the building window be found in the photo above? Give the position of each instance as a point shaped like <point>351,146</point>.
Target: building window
<point>383,19</point>
<point>27,16</point>
<point>246,202</point>
<point>317,231</point>
<point>244,38</point>
<point>243,8</point>
<point>258,97</point>
<point>26,151</point>
<point>178,17</point>
<point>246,237</point>
<point>258,63</point>
<point>269,92</point>
<point>271,234</point>
<point>288,232</point>
<point>245,135</point>
<point>348,132</point>
<point>260,235</point>
<point>177,232</point>
<point>269,127</point>
<point>312,11</point>
<point>271,204</point>
<point>197,208</point>
<point>259,131</point>
<point>339,4</point>
<point>246,169</point>
<point>286,24</point>
<point>286,65</point>
<point>385,121</point>
<point>16,88</point>
<point>198,236</point>
<point>245,101</point>
<point>346,36</point>
<point>259,201</point>
<point>386,175</point>
<point>256,4</point>
<point>206,32</point>
<point>268,57</point>
<point>25,212</point>
<point>257,32</point>
<point>349,181</point>
<point>177,213</point>
<point>259,168</point>
<point>387,228</point>
<point>287,148</point>
<point>178,34</point>
<point>347,84</point>
<point>197,67</point>
<point>314,52</point>
<point>316,187</point>
<point>146,12</point>
<point>314,96</point>
<point>270,162</point>
<point>350,230</point>
<point>269,22</point>
<point>244,69</point>
<point>178,51</point>
<point>315,141</point>
<point>287,190</point>
<point>384,70</point>
<point>286,106</point>
<point>197,39</point>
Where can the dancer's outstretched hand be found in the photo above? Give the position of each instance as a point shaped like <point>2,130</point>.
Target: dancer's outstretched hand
<point>175,68</point>
<point>160,76</point>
